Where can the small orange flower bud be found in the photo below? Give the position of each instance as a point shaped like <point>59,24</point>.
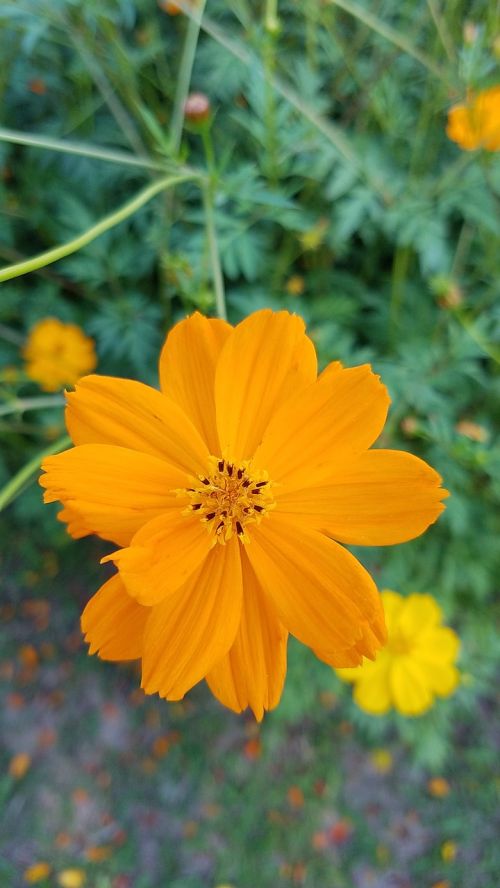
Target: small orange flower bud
<point>197,108</point>
<point>19,765</point>
<point>438,787</point>
<point>470,33</point>
<point>472,430</point>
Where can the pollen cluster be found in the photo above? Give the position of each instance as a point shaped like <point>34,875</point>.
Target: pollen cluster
<point>229,498</point>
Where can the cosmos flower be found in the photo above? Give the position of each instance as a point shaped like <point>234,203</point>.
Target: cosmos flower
<point>476,122</point>
<point>226,493</point>
<point>57,354</point>
<point>417,664</point>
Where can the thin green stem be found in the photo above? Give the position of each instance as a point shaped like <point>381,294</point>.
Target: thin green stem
<point>114,104</point>
<point>399,272</point>
<point>128,209</point>
<point>271,26</point>
<point>68,147</point>
<point>19,405</point>
<point>332,132</point>
<point>469,326</point>
<point>11,336</point>
<point>390,34</point>
<point>218,280</point>
<point>271,21</point>
<point>442,30</point>
<point>23,477</point>
<point>184,78</point>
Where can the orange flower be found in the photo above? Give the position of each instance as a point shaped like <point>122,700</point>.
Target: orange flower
<point>226,493</point>
<point>57,354</point>
<point>476,122</point>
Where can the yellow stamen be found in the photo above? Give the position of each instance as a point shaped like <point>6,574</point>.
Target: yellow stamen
<point>229,498</point>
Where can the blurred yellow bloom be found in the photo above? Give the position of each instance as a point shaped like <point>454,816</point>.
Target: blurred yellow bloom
<point>58,354</point>
<point>416,665</point>
<point>19,765</point>
<point>448,851</point>
<point>476,122</point>
<point>36,872</point>
<point>71,878</point>
<point>381,760</point>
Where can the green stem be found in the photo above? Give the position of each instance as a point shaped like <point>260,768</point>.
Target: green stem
<point>333,133</point>
<point>128,209</point>
<point>11,336</point>
<point>16,484</point>
<point>218,280</point>
<point>19,405</point>
<point>69,147</point>
<point>491,350</point>
<point>271,21</point>
<point>184,78</point>
<point>390,34</point>
<point>442,30</point>
<point>399,270</point>
<point>271,26</point>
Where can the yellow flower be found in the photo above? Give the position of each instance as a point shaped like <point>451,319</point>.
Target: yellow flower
<point>476,122</point>
<point>57,354</point>
<point>381,760</point>
<point>226,492</point>
<point>448,851</point>
<point>37,872</point>
<point>416,665</point>
<point>71,878</point>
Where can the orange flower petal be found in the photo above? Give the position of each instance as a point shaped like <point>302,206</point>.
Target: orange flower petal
<point>105,410</point>
<point>265,360</point>
<point>110,490</point>
<point>113,623</point>
<point>325,424</point>
<point>321,593</point>
<point>195,627</point>
<point>162,556</point>
<point>187,371</point>
<point>382,497</point>
<point>74,524</point>
<point>253,672</point>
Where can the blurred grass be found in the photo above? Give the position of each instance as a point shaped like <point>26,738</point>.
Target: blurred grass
<point>335,193</point>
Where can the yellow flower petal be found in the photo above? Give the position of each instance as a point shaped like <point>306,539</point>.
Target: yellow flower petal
<point>265,360</point>
<point>323,426</point>
<point>195,627</point>
<point>111,490</point>
<point>187,371</point>
<point>418,613</point>
<point>253,672</point>
<point>410,692</point>
<point>113,623</point>
<point>105,410</point>
<point>382,497</point>
<point>162,556</point>
<point>372,692</point>
<point>321,593</point>
<point>438,644</point>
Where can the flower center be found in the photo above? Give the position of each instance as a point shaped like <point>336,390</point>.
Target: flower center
<point>230,497</point>
<point>399,645</point>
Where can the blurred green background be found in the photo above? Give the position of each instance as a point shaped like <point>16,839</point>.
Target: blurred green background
<point>332,191</point>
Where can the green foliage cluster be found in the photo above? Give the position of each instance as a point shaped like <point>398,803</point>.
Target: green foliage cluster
<point>328,187</point>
